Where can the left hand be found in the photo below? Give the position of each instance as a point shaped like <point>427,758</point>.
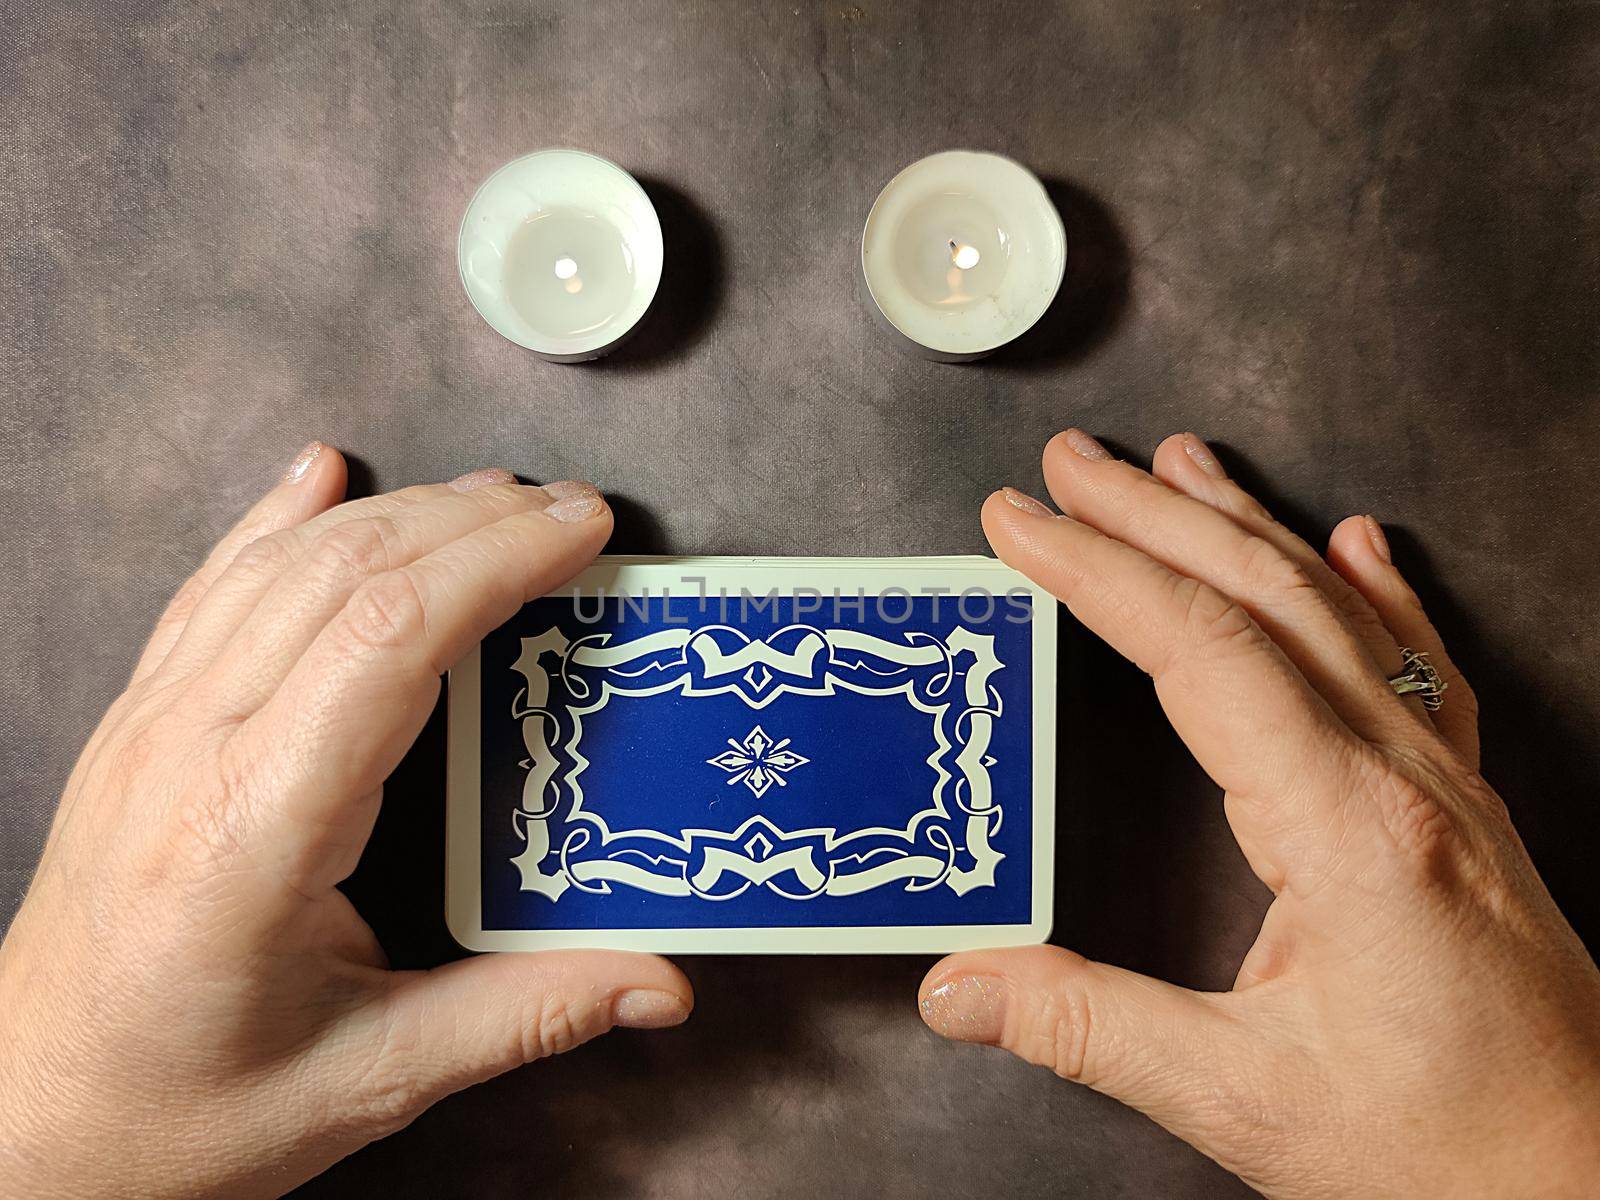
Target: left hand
<point>188,1004</point>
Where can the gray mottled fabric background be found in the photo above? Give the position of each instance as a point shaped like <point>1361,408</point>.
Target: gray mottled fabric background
<point>1356,244</point>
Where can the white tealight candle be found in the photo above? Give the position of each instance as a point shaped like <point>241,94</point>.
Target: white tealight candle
<point>560,251</point>
<point>963,252</point>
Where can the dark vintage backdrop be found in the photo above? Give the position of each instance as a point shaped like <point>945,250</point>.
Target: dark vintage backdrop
<point>1356,244</point>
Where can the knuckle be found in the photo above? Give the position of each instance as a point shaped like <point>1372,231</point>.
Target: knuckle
<point>1209,620</point>
<point>1420,829</point>
<point>1362,618</point>
<point>552,1030</point>
<point>1059,1033</point>
<point>267,557</point>
<point>1350,604</point>
<point>185,600</point>
<point>1267,570</point>
<point>355,549</point>
<point>386,612</point>
<point>394,1087</point>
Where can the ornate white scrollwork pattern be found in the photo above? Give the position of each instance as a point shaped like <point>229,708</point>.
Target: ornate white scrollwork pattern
<point>948,842</point>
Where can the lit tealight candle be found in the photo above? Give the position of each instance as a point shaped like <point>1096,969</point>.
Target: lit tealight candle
<point>962,253</point>
<point>560,251</point>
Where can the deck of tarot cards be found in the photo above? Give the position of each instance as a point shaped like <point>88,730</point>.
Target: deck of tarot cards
<point>739,755</point>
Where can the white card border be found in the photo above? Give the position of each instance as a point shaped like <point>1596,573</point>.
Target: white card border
<point>463,785</point>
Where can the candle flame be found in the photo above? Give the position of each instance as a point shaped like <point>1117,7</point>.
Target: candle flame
<point>964,256</point>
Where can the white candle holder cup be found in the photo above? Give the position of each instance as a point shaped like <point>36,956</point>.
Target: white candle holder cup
<point>561,252</point>
<point>962,253</point>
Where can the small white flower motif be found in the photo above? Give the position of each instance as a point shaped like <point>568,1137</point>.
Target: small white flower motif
<point>758,762</point>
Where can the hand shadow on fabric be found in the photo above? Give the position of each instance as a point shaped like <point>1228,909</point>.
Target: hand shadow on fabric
<point>1561,828</point>
<point>1148,875</point>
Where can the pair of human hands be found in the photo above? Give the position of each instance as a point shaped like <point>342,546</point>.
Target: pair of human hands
<point>186,981</point>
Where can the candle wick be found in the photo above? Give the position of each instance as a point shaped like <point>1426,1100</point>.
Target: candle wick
<point>963,256</point>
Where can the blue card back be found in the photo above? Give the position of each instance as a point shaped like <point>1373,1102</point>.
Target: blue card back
<point>694,765</point>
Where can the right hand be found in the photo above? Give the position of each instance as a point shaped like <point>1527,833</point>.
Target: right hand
<point>1415,1018</point>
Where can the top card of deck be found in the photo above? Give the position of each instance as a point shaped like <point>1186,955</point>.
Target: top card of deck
<point>731,755</point>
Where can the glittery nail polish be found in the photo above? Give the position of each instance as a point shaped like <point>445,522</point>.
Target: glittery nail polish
<point>968,1008</point>
<point>484,477</point>
<point>1379,540</point>
<point>302,463</point>
<point>1025,503</point>
<point>647,1008</point>
<point>1201,455</point>
<point>1087,447</point>
<point>578,505</point>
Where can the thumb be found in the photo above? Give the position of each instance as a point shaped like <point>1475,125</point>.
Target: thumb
<point>459,1024</point>
<point>1172,1053</point>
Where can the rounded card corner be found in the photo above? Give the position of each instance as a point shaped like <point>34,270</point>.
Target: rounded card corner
<point>465,937</point>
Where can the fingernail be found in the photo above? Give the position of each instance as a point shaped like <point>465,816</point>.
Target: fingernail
<point>580,504</point>
<point>1380,543</point>
<point>969,1008</point>
<point>1025,502</point>
<point>1202,456</point>
<point>1086,446</point>
<point>302,463</point>
<point>564,489</point>
<point>646,1008</point>
<point>483,477</point>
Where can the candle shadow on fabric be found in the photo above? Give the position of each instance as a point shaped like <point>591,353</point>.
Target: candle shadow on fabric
<point>691,290</point>
<point>1094,291</point>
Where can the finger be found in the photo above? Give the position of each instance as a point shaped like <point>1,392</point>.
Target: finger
<point>252,664</point>
<point>1186,463</point>
<point>314,482</point>
<point>435,1032</point>
<point>1242,708</point>
<point>358,697</point>
<point>1359,552</point>
<point>1174,1054</point>
<point>236,592</point>
<point>1196,540</point>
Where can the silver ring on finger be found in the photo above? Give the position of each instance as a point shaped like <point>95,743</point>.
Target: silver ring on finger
<point>1420,678</point>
